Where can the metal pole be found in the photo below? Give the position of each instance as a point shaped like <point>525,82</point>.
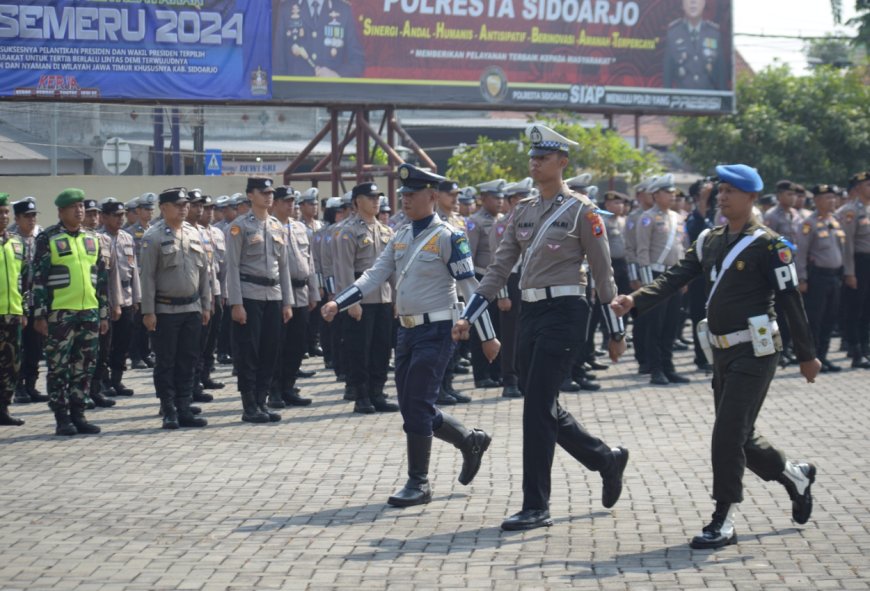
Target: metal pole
<point>158,164</point>
<point>54,117</point>
<point>175,143</point>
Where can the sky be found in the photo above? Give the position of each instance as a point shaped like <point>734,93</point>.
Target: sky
<point>783,17</point>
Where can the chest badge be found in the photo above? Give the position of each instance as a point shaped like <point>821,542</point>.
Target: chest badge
<point>740,265</point>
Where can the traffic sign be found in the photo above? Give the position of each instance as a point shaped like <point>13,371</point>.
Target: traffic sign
<point>214,163</point>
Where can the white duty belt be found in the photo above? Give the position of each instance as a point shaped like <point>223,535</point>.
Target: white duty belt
<point>412,320</point>
<point>727,341</point>
<point>555,291</point>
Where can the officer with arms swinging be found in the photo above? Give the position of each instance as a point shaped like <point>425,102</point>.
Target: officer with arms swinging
<point>746,266</point>
<point>429,258</point>
<point>553,232</point>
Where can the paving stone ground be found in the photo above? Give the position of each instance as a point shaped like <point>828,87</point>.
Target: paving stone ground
<point>301,504</point>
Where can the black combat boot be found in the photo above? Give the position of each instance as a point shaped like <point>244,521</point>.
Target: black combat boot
<point>210,384</point>
<point>291,397</point>
<point>471,442</point>
<point>64,424</point>
<point>250,412</point>
<point>363,405</point>
<point>379,400</point>
<point>169,414</point>
<point>77,416</point>
<point>350,393</point>
<point>98,397</point>
<point>21,395</point>
<point>199,395</point>
<point>416,490</point>
<point>720,531</point>
<point>119,388</point>
<point>34,394</point>
<point>186,418</point>
<point>447,388</point>
<point>797,480</point>
<point>275,399</point>
<point>7,419</point>
<point>612,476</point>
<point>261,405</point>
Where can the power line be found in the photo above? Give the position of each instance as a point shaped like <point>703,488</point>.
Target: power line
<point>798,37</point>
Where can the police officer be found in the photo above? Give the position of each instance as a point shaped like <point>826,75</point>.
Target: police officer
<point>819,262</point>
<point>429,259</point>
<point>13,270</point>
<point>317,38</point>
<point>745,266</point>
<point>125,292</point>
<point>855,223</point>
<point>308,206</point>
<point>703,198</point>
<point>478,227</point>
<point>338,211</point>
<point>210,335</point>
<point>293,342</point>
<point>659,246</point>
<point>176,304</point>
<point>384,210</point>
<point>632,221</point>
<point>398,219</point>
<point>367,327</point>
<point>71,310</point>
<point>553,232</point>
<point>694,54</point>
<point>615,204</point>
<point>131,214</point>
<point>467,202</point>
<point>99,387</point>
<point>27,230</point>
<point>258,289</point>
<point>224,341</point>
<point>140,347</point>
<point>509,296</point>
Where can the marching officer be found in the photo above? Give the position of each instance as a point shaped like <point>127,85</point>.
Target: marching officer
<point>71,310</point>
<point>478,227</point>
<point>429,259</point>
<point>553,232</point>
<point>745,267</point>
<point>509,296</point>
<point>13,271</point>
<point>293,343</point>
<point>367,327</point>
<point>819,261</point>
<point>27,230</point>
<point>258,289</point>
<point>855,223</point>
<point>659,246</point>
<point>125,292</point>
<point>176,304</point>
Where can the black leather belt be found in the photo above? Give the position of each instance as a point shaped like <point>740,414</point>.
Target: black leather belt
<point>298,283</point>
<point>264,281</point>
<point>168,301</point>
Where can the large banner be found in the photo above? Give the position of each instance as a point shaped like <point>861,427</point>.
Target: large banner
<point>154,49</point>
<point>645,55</point>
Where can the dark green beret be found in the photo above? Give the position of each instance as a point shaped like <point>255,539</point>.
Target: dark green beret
<point>69,196</point>
<point>4,198</point>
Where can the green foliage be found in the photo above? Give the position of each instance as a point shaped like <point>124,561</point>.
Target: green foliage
<point>809,129</point>
<point>603,153</point>
<point>829,51</point>
<point>862,21</point>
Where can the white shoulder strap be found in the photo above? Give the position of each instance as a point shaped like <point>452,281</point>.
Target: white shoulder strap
<point>670,243</point>
<point>735,252</point>
<point>699,244</point>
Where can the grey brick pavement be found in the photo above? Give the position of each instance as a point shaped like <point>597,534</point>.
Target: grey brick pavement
<point>301,504</point>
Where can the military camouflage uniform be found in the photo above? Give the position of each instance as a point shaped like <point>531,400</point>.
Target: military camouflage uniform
<point>71,346</point>
<point>10,324</point>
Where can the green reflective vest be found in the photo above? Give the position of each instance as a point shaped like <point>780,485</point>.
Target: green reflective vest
<point>11,263</point>
<point>73,274</point>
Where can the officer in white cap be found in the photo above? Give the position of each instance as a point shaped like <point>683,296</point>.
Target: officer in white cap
<point>638,331</point>
<point>131,211</point>
<point>336,214</point>
<point>554,233</point>
<point>467,202</point>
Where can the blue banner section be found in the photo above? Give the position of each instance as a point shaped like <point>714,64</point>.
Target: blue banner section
<point>156,49</point>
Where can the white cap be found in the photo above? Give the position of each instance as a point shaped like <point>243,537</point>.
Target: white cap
<point>581,180</point>
<point>664,182</point>
<point>544,140</point>
<point>496,187</point>
<point>522,187</point>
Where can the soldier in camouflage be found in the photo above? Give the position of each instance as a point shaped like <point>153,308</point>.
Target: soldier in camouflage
<point>71,310</point>
<point>13,267</point>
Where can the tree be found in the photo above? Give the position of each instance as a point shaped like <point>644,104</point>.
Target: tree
<point>809,129</point>
<point>604,153</point>
<point>831,50</point>
<point>861,20</point>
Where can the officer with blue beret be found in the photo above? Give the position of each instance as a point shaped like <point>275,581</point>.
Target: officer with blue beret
<point>746,266</point>
<point>430,260</point>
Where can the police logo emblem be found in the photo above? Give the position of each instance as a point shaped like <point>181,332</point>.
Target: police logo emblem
<point>535,136</point>
<point>404,173</point>
<point>740,265</point>
<point>493,84</point>
<point>785,255</point>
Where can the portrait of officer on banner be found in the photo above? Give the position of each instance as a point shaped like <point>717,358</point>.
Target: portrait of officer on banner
<point>694,54</point>
<point>316,38</point>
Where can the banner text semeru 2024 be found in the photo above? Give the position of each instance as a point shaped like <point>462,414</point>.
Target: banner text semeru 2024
<point>155,49</point>
<point>605,55</point>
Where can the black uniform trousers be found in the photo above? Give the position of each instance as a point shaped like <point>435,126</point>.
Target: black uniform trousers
<point>208,342</point>
<point>122,332</point>
<point>422,355</point>
<point>480,365</point>
<point>660,330</point>
<point>784,329</point>
<point>224,344</point>
<point>140,346</point>
<point>312,328</point>
<point>550,336</point>
<point>176,347</point>
<point>293,347</point>
<point>368,343</point>
<point>822,301</point>
<point>509,323</point>
<point>857,302</point>
<point>31,352</point>
<point>740,383</point>
<point>254,345</point>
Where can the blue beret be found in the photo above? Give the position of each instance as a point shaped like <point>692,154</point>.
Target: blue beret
<point>741,176</point>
